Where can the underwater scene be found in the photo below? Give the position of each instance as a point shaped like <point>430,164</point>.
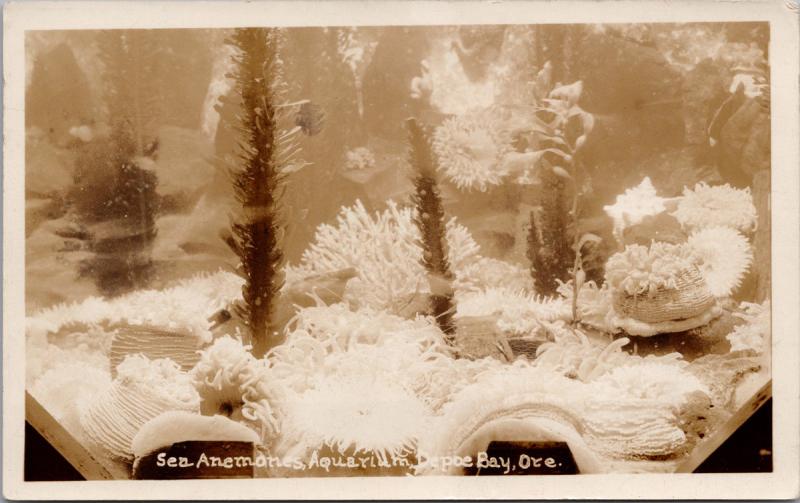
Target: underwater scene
<point>391,251</point>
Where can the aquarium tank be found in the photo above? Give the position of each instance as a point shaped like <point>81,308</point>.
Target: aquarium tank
<point>378,250</point>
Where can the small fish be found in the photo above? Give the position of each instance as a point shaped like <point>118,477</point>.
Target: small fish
<point>310,118</point>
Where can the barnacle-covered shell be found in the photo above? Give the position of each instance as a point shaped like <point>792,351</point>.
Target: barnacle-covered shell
<point>142,390</point>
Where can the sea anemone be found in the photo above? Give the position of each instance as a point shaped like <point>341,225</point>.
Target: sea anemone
<point>725,255</point>
<point>233,383</point>
<point>634,205</point>
<point>640,269</point>
<point>470,149</point>
<point>755,333</point>
<point>659,289</point>
<point>333,340</point>
<point>517,312</point>
<point>384,250</point>
<point>376,416</point>
<point>574,354</point>
<point>712,206</point>
<point>485,273</point>
<point>43,351</point>
<point>595,305</point>
<point>648,380</point>
<point>182,307</point>
<point>142,390</point>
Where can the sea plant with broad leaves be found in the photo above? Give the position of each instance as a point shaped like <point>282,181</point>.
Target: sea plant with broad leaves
<point>552,133</point>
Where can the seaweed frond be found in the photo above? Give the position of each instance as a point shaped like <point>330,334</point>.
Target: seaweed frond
<point>430,220</point>
<point>265,151</point>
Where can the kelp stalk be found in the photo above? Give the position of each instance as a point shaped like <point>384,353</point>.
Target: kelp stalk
<point>258,179</point>
<point>430,221</point>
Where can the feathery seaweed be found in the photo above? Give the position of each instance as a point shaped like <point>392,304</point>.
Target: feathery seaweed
<point>429,218</point>
<point>265,154</point>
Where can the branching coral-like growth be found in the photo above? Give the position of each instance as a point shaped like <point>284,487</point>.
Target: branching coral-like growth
<point>384,250</point>
<point>266,153</point>
<point>430,220</point>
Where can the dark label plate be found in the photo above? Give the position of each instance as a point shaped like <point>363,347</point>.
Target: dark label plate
<point>524,458</point>
<point>197,460</point>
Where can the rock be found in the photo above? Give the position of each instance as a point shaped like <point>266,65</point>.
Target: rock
<point>745,142</point>
<point>181,426</point>
<point>662,227</point>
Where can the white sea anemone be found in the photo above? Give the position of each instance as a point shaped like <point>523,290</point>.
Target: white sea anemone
<point>470,149</point>
<point>666,383</point>
<point>725,255</point>
<point>233,383</point>
<point>333,340</point>
<point>184,306</point>
<point>712,206</point>
<point>517,311</point>
<point>595,305</point>
<point>641,269</point>
<point>633,410</point>
<point>384,250</point>
<point>376,416</point>
<point>636,203</point>
<point>486,272</point>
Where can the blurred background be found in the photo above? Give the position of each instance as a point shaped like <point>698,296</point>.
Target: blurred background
<point>666,98</point>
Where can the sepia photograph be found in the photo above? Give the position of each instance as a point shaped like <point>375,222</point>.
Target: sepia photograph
<point>366,252</point>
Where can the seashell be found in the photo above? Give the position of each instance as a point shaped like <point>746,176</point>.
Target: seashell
<point>689,298</point>
<point>142,390</point>
<point>154,344</point>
